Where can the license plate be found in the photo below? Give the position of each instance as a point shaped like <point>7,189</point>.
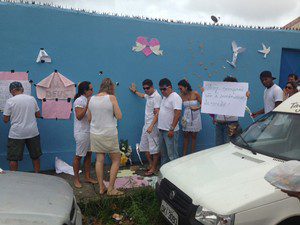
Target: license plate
<point>169,213</point>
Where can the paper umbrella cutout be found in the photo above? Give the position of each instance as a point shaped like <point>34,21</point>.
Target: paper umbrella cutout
<point>148,48</point>
<point>265,50</point>
<point>236,50</point>
<point>43,57</point>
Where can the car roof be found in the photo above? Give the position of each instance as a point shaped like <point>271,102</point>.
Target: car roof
<point>290,105</point>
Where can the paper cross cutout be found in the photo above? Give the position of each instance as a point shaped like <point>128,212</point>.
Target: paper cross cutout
<point>142,44</point>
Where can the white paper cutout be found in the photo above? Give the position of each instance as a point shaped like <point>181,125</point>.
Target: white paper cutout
<point>63,167</point>
<point>43,57</point>
<point>265,50</point>
<point>142,44</point>
<point>236,50</point>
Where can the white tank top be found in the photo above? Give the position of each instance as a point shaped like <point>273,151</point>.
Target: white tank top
<point>103,119</point>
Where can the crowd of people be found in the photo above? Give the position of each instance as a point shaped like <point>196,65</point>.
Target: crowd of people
<point>95,124</point>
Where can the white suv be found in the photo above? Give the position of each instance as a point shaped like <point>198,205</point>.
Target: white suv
<point>225,185</point>
<point>28,198</point>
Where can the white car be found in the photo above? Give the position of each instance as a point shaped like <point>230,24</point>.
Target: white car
<point>37,199</point>
<point>225,185</point>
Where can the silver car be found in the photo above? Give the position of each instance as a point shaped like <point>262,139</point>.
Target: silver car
<point>28,198</point>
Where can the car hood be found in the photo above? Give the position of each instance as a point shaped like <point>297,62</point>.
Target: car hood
<point>226,179</point>
<point>36,196</point>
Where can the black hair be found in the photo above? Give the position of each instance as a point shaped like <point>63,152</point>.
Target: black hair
<point>230,79</point>
<point>293,75</point>
<point>147,82</point>
<point>165,82</point>
<point>186,84</point>
<point>82,88</point>
<point>294,85</point>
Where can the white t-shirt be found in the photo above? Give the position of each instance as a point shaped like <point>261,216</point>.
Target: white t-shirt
<point>152,102</point>
<point>166,112</point>
<point>21,109</point>
<point>81,126</point>
<point>272,95</point>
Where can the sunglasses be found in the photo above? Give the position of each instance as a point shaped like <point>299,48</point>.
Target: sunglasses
<point>146,88</point>
<point>163,89</point>
<point>91,89</point>
<point>288,87</point>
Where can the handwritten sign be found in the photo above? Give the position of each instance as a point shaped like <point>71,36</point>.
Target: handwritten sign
<point>58,90</point>
<point>295,106</point>
<point>8,77</point>
<point>224,98</point>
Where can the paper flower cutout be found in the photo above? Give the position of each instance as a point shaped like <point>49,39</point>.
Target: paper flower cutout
<point>142,44</point>
<point>265,50</point>
<point>43,57</point>
<point>236,50</point>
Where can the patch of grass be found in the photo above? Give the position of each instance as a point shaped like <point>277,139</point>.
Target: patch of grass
<point>138,207</point>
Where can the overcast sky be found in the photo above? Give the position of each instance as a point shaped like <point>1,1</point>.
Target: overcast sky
<point>242,12</point>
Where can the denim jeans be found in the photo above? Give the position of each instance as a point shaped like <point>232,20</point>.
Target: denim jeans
<point>168,146</point>
<point>222,136</point>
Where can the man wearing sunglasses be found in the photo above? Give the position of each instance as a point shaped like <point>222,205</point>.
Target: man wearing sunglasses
<point>168,117</point>
<point>150,135</point>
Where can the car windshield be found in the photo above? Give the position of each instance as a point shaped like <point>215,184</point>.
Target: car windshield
<point>275,134</point>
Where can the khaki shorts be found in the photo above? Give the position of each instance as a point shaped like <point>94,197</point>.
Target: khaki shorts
<point>104,144</point>
<point>15,148</point>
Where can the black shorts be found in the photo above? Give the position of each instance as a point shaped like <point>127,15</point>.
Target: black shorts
<point>15,148</point>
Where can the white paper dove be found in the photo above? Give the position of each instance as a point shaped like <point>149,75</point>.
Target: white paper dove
<point>236,50</point>
<point>43,57</point>
<point>265,50</point>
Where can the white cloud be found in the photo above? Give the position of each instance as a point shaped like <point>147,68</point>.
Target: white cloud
<point>245,12</point>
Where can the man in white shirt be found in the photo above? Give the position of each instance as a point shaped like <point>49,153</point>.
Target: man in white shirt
<point>168,117</point>
<point>273,94</point>
<point>150,134</point>
<point>22,110</point>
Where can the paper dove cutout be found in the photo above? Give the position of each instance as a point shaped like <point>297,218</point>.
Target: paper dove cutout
<point>43,57</point>
<point>236,50</point>
<point>148,48</point>
<point>265,50</point>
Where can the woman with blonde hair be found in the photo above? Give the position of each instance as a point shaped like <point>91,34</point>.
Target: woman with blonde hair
<point>104,111</point>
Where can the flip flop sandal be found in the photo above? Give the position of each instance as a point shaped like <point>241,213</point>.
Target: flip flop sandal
<point>115,192</point>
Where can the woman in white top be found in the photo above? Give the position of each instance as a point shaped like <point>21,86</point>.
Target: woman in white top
<point>191,119</point>
<point>82,132</point>
<point>103,114</point>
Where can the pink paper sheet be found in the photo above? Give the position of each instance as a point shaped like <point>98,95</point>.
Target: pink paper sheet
<point>60,109</point>
<point>55,86</point>
<point>129,182</point>
<point>13,76</point>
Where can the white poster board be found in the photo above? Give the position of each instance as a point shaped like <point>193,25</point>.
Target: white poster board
<point>4,90</point>
<point>224,98</point>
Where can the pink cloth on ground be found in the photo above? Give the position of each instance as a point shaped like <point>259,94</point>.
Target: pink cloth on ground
<point>129,182</point>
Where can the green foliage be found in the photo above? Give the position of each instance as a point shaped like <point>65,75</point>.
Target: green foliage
<point>138,207</point>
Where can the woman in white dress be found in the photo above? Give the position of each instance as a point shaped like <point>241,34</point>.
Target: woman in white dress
<point>104,111</point>
<point>191,119</point>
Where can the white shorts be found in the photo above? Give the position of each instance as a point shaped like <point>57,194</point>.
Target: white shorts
<point>83,144</point>
<point>149,142</point>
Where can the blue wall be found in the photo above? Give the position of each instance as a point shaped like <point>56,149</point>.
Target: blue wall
<point>82,44</point>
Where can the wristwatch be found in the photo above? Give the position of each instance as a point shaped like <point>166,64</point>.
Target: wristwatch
<point>171,128</point>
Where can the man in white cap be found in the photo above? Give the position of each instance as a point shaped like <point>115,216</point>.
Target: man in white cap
<point>22,110</point>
